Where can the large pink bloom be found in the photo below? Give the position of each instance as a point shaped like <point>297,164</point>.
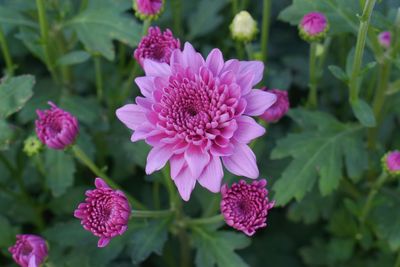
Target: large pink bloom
<point>195,113</point>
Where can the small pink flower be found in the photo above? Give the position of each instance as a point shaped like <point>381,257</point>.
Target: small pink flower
<point>148,8</point>
<point>196,113</point>
<point>156,45</point>
<point>56,128</point>
<point>384,39</point>
<point>29,250</point>
<point>279,108</point>
<point>245,206</point>
<point>313,26</point>
<point>105,212</point>
<point>391,162</point>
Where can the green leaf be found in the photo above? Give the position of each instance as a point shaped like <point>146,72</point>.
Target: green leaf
<point>148,239</point>
<point>7,232</point>
<point>205,19</point>
<point>218,247</point>
<point>5,135</point>
<point>86,109</point>
<point>316,152</point>
<point>13,17</point>
<point>14,93</point>
<point>60,169</point>
<point>72,58</point>
<point>97,27</point>
<point>363,113</point>
<point>338,73</point>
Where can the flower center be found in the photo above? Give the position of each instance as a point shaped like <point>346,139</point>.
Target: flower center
<point>26,249</point>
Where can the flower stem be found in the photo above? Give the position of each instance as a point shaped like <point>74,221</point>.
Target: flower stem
<point>81,156</point>
<point>208,220</point>
<point>265,29</point>
<point>170,188</point>
<point>312,94</point>
<point>6,53</point>
<point>177,16</point>
<point>44,33</point>
<point>146,25</point>
<point>151,213</point>
<point>235,7</point>
<point>99,79</point>
<point>374,190</point>
<point>360,45</point>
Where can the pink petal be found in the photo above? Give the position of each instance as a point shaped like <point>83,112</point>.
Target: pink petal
<point>258,102</point>
<point>32,261</point>
<point>177,162</point>
<point>131,115</point>
<point>153,68</point>
<point>196,160</point>
<point>255,67</point>
<point>185,183</point>
<point>142,132</point>
<point>232,65</point>
<point>99,183</point>
<point>157,158</point>
<point>103,242</point>
<point>242,162</point>
<point>212,175</point>
<point>248,129</point>
<point>146,85</point>
<point>215,61</point>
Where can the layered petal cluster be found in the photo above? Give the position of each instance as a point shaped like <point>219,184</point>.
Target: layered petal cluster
<point>105,212</point>
<point>313,26</point>
<point>195,113</point>
<point>391,162</point>
<point>279,108</point>
<point>29,250</point>
<point>148,9</point>
<point>384,39</point>
<point>245,206</point>
<point>56,128</point>
<point>156,45</point>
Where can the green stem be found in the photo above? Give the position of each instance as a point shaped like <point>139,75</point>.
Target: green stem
<point>239,49</point>
<point>99,77</point>
<point>6,53</point>
<point>312,94</point>
<point>82,157</point>
<point>235,7</point>
<point>265,29</point>
<point>156,194</point>
<point>177,16</point>
<point>151,213</point>
<point>208,220</point>
<point>185,248</point>
<point>374,190</point>
<point>170,188</point>
<point>44,33</point>
<point>360,45</point>
<point>146,25</point>
<point>249,50</point>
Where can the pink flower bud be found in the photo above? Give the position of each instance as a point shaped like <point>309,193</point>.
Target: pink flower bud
<point>29,250</point>
<point>391,162</point>
<point>105,212</point>
<point>56,128</point>
<point>313,26</point>
<point>384,39</point>
<point>245,206</point>
<point>279,108</point>
<point>148,9</point>
<point>157,46</point>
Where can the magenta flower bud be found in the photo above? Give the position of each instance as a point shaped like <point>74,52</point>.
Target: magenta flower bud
<point>105,212</point>
<point>245,206</point>
<point>391,162</point>
<point>148,9</point>
<point>279,108</point>
<point>56,128</point>
<point>29,250</point>
<point>313,26</point>
<point>157,46</point>
<point>384,39</point>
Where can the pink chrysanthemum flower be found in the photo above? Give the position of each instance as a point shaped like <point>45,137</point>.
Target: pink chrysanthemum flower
<point>279,108</point>
<point>29,250</point>
<point>148,9</point>
<point>56,128</point>
<point>384,39</point>
<point>313,26</point>
<point>105,212</point>
<point>156,45</point>
<point>245,206</point>
<point>195,113</point>
<point>391,162</point>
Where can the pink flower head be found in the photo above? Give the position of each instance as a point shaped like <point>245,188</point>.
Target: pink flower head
<point>55,127</point>
<point>279,108</point>
<point>245,206</point>
<point>313,26</point>
<point>105,212</point>
<point>29,250</point>
<point>156,45</point>
<point>391,162</point>
<point>195,113</point>
<point>148,8</point>
<point>384,39</point>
